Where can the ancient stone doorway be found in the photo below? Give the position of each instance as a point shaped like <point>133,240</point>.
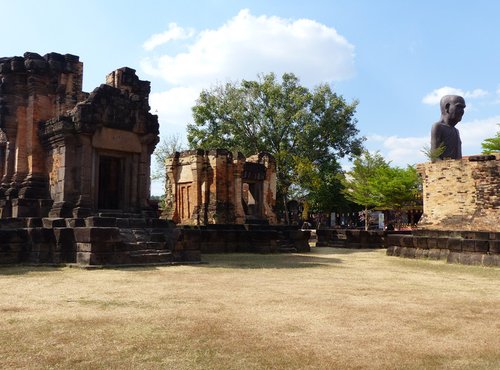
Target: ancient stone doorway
<point>252,199</point>
<point>184,202</point>
<point>110,182</point>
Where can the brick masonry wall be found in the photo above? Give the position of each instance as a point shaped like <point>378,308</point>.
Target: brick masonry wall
<point>461,194</point>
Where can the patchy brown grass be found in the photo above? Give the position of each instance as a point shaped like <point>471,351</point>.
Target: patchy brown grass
<point>329,309</point>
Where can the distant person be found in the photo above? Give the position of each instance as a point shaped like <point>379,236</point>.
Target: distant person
<point>444,136</point>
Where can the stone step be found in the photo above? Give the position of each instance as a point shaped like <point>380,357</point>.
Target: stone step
<point>141,245</point>
<point>149,256</point>
<point>142,235</point>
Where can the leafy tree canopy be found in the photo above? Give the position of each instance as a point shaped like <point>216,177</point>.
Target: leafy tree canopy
<point>166,148</point>
<point>373,183</point>
<point>491,145</point>
<point>360,183</point>
<point>306,131</point>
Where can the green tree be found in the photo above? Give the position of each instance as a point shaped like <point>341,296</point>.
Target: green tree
<point>373,183</point>
<point>306,131</point>
<point>492,144</point>
<point>433,154</point>
<point>324,190</point>
<point>166,148</point>
<point>399,188</point>
<point>360,183</point>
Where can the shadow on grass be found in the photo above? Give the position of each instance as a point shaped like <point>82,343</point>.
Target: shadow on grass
<point>318,257</point>
<point>21,269</point>
<point>331,250</point>
<point>28,269</point>
<point>270,261</point>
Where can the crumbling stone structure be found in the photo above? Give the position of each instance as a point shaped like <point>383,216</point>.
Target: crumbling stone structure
<point>32,90</point>
<point>224,203</point>
<point>215,187</point>
<point>74,167</point>
<point>461,213</point>
<point>69,154</point>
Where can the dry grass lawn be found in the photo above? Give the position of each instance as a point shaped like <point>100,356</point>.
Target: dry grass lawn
<point>328,309</point>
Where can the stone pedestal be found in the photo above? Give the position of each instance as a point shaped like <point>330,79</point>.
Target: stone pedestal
<point>461,220</point>
<point>461,194</point>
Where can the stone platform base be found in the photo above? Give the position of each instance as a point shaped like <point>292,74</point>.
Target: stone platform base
<point>92,241</point>
<point>351,238</point>
<point>103,241</point>
<point>465,247</point>
<point>248,238</point>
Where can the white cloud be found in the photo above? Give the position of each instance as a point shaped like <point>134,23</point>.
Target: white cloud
<point>174,108</point>
<point>473,133</point>
<point>247,45</point>
<point>401,151</point>
<point>243,47</point>
<point>476,93</point>
<point>173,33</point>
<point>435,96</point>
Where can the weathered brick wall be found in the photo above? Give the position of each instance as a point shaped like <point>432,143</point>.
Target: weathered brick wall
<point>32,89</point>
<point>461,194</point>
<point>206,187</point>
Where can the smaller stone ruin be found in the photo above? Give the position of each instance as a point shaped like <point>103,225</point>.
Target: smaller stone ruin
<point>224,202</point>
<point>215,187</point>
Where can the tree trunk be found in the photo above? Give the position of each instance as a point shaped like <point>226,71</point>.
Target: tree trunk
<point>366,218</point>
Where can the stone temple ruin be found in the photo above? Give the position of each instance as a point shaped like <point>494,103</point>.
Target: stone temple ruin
<point>213,187</point>
<point>224,202</point>
<point>74,167</point>
<point>75,177</point>
<point>69,154</point>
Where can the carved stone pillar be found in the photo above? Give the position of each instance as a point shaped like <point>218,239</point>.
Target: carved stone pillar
<point>239,212</point>
<point>86,179</point>
<point>269,188</point>
<point>171,167</point>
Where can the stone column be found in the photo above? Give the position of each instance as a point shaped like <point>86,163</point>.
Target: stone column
<point>13,95</point>
<point>144,176</point>
<point>196,206</point>
<point>134,196</point>
<point>85,189</point>
<point>239,212</point>
<point>40,108</point>
<point>171,167</point>
<point>269,189</point>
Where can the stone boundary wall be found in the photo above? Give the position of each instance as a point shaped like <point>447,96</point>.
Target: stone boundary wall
<point>247,238</point>
<point>465,247</point>
<point>351,238</point>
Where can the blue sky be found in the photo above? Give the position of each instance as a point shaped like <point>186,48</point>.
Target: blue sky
<point>396,57</point>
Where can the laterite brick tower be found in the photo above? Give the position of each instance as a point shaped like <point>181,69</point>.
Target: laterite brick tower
<point>65,153</point>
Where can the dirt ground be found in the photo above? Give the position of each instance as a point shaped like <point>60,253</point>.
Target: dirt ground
<point>327,309</point>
